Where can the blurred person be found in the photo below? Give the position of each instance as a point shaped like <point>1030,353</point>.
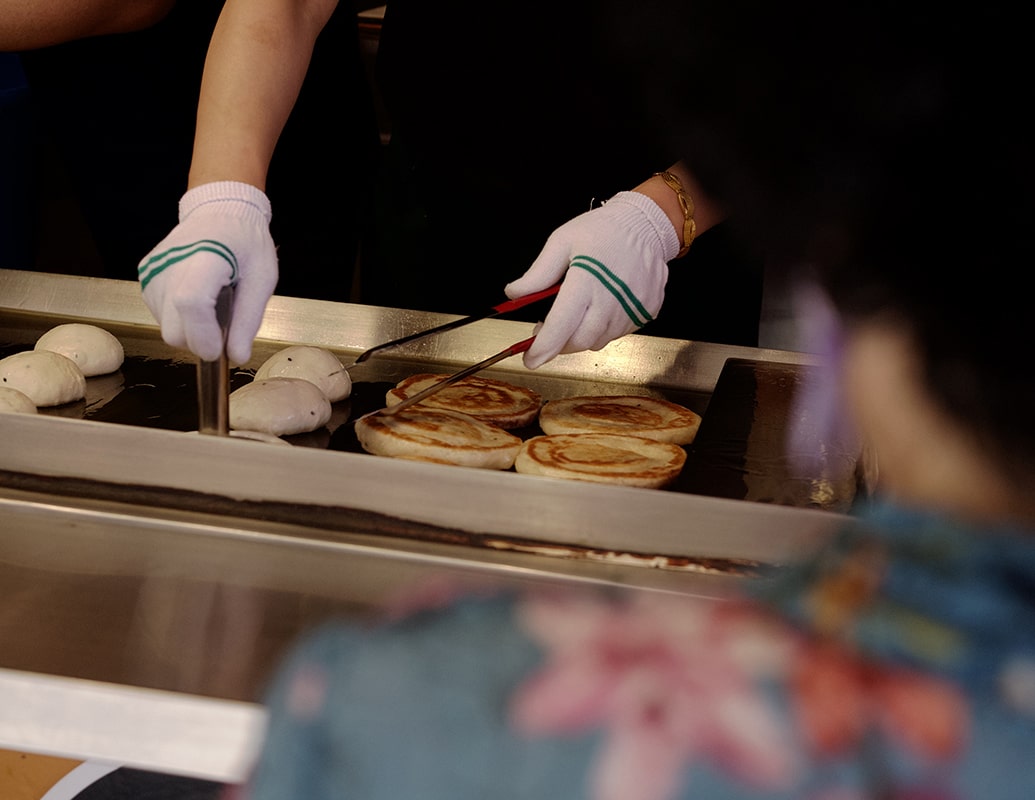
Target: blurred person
<point>898,660</point>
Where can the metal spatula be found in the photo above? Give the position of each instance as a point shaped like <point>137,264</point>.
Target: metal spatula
<point>502,308</point>
<point>214,377</point>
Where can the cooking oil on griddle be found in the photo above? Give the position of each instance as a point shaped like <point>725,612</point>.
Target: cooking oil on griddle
<point>739,452</point>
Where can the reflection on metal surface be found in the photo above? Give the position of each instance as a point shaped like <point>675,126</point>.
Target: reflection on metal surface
<point>743,439</point>
<point>186,601</point>
<point>147,639</point>
<point>160,731</point>
<point>350,329</point>
<point>716,566</point>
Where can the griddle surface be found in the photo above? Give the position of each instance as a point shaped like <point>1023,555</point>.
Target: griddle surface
<point>738,452</point>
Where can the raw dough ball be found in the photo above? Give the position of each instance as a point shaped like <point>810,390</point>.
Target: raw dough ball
<point>48,378</point>
<point>15,401</point>
<point>279,406</point>
<point>95,350</point>
<point>314,364</point>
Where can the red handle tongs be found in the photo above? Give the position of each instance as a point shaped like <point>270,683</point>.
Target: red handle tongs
<point>502,308</point>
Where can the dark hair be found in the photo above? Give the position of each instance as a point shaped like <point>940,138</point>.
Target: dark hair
<point>887,146</point>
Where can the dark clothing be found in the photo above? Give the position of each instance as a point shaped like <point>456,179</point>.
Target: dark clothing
<point>504,127</point>
<point>117,114</point>
<point>321,177</point>
<point>120,112</point>
<point>15,178</point>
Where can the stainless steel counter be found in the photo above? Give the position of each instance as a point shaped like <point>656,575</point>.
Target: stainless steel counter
<point>149,567</point>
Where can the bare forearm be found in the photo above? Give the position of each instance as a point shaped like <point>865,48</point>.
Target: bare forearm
<point>31,24</point>
<point>256,63</point>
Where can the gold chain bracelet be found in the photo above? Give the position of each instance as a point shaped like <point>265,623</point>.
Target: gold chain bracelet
<point>686,204</point>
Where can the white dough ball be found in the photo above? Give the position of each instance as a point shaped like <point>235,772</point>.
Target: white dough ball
<point>279,406</point>
<point>48,378</point>
<point>15,401</point>
<point>313,364</point>
<point>95,350</point>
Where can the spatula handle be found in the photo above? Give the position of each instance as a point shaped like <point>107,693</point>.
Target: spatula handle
<point>527,300</point>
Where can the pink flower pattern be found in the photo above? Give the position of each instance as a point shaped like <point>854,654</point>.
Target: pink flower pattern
<point>669,679</point>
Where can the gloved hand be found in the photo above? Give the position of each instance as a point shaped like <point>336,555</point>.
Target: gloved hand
<point>614,261</point>
<point>223,238</point>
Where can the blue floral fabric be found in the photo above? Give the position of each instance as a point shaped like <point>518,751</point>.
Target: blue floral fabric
<point>897,663</point>
<point>948,599</point>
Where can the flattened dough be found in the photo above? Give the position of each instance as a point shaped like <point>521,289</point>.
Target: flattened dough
<point>95,350</point>
<point>438,434</point>
<point>627,414</point>
<point>496,402</point>
<point>314,364</point>
<point>279,406</point>
<point>602,458</point>
<point>15,401</point>
<point>48,378</point>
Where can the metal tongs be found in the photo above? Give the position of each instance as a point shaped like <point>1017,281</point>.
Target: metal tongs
<point>514,349</point>
<point>502,308</point>
<point>214,377</point>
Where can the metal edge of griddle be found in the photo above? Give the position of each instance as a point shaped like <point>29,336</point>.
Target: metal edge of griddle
<point>101,536</point>
<point>162,728</point>
<point>350,328</point>
<point>524,509</point>
<point>482,502</point>
<point>108,725</point>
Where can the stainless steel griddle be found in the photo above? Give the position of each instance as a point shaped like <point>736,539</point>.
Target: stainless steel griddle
<point>139,556</point>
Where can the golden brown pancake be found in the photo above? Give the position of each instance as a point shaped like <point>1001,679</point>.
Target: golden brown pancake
<point>602,458</point>
<point>650,417</point>
<point>496,402</point>
<point>437,434</point>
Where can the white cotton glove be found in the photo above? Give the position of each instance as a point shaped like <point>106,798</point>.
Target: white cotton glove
<point>223,238</point>
<point>614,262</point>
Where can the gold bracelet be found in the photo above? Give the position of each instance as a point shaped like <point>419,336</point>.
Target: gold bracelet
<point>686,203</point>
